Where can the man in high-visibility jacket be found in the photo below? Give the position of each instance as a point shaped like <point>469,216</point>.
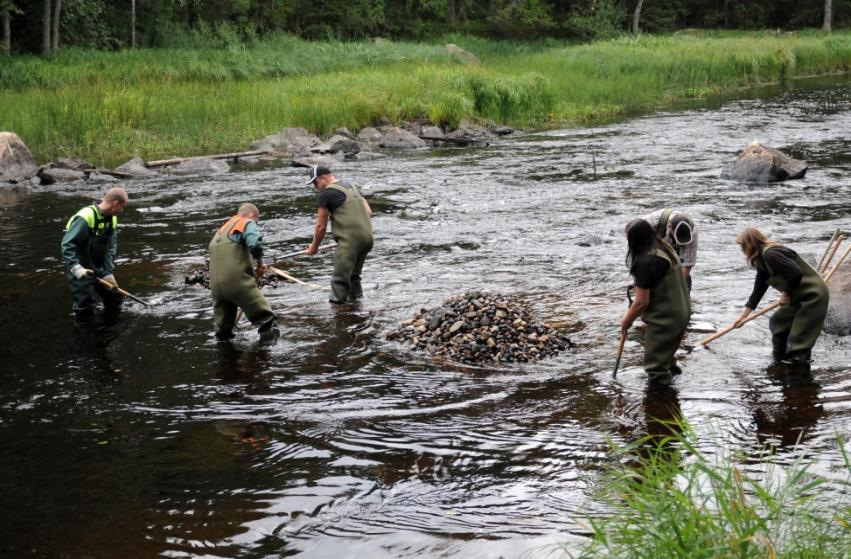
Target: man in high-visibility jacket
<point>232,283</point>
<point>88,251</point>
<point>352,229</point>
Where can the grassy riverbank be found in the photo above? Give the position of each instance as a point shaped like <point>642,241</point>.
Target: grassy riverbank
<point>671,499</point>
<point>107,107</point>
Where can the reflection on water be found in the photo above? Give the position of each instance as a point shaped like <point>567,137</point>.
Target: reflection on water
<point>147,437</point>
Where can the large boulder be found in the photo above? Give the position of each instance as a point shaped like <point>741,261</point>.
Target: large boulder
<point>461,55</point>
<point>430,132</point>
<point>758,163</point>
<point>369,135</point>
<point>136,167</point>
<point>51,175</point>
<point>398,138</point>
<point>72,164</point>
<point>200,166</point>
<point>16,161</point>
<point>838,320</point>
<point>289,140</point>
<point>323,160</point>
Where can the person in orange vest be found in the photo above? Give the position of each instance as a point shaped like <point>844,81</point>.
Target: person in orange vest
<point>232,282</point>
<point>88,251</point>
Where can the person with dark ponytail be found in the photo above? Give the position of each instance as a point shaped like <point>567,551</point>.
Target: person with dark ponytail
<point>661,299</point>
<point>804,297</point>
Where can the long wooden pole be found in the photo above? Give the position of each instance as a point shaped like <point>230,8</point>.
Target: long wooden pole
<point>833,250</point>
<point>619,354</point>
<point>176,160</point>
<point>282,274</point>
<point>301,252</point>
<point>121,292</point>
<point>820,266</point>
<point>731,327</point>
<point>838,264</point>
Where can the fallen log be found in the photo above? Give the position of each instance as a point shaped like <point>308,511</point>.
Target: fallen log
<point>461,141</point>
<point>177,160</point>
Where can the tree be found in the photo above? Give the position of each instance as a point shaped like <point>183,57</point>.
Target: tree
<point>132,24</point>
<point>828,15</point>
<point>56,11</point>
<point>7,8</point>
<point>45,28</point>
<point>636,16</point>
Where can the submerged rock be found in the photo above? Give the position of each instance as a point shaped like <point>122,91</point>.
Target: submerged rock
<point>481,327</point>
<point>16,161</point>
<point>758,163</point>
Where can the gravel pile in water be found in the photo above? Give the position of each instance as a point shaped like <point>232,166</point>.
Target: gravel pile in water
<point>481,327</point>
<point>201,276</point>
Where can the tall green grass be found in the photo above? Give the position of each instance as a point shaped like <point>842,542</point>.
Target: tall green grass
<point>679,501</point>
<point>107,107</point>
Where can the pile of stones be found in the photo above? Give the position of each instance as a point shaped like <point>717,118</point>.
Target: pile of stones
<point>201,276</point>
<point>481,327</point>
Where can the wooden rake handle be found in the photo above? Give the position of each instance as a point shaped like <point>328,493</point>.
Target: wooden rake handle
<point>282,274</point>
<point>732,327</point>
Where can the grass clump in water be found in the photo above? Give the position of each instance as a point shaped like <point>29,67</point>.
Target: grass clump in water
<point>679,501</point>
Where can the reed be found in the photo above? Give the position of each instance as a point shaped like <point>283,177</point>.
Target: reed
<point>670,498</point>
<point>108,107</point>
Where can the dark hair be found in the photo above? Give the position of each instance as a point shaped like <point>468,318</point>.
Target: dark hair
<point>640,238</point>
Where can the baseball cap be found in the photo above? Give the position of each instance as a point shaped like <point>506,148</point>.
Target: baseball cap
<point>682,229</point>
<point>317,171</point>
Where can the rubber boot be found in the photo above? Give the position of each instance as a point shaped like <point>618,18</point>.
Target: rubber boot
<point>778,344</point>
<point>269,331</point>
<point>659,378</point>
<point>225,335</point>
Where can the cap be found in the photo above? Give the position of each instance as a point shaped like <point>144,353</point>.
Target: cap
<point>681,226</point>
<point>317,171</point>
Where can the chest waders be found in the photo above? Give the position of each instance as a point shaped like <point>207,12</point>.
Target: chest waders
<point>666,317</point>
<point>796,327</point>
<point>352,229</point>
<point>92,254</point>
<point>232,282</point>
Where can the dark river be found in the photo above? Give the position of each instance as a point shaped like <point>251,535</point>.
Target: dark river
<point>147,438</point>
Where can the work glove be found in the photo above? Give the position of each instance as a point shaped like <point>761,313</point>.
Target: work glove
<point>111,279</point>
<point>80,272</point>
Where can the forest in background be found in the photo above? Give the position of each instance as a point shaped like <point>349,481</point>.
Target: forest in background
<point>45,26</point>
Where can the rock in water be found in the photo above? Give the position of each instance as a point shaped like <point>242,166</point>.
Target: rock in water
<point>758,163</point>
<point>16,161</point>
<point>201,276</point>
<point>838,321</point>
<point>136,167</point>
<point>199,166</point>
<point>481,327</point>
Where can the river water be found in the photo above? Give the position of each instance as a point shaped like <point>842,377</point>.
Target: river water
<point>147,438</point>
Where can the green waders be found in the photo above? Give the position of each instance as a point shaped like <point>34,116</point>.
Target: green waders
<point>232,285</point>
<point>92,254</point>
<point>352,229</point>
<point>796,327</point>
<point>666,317</point>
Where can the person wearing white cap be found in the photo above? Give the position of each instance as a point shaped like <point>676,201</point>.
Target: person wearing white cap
<point>678,229</point>
<point>350,214</point>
